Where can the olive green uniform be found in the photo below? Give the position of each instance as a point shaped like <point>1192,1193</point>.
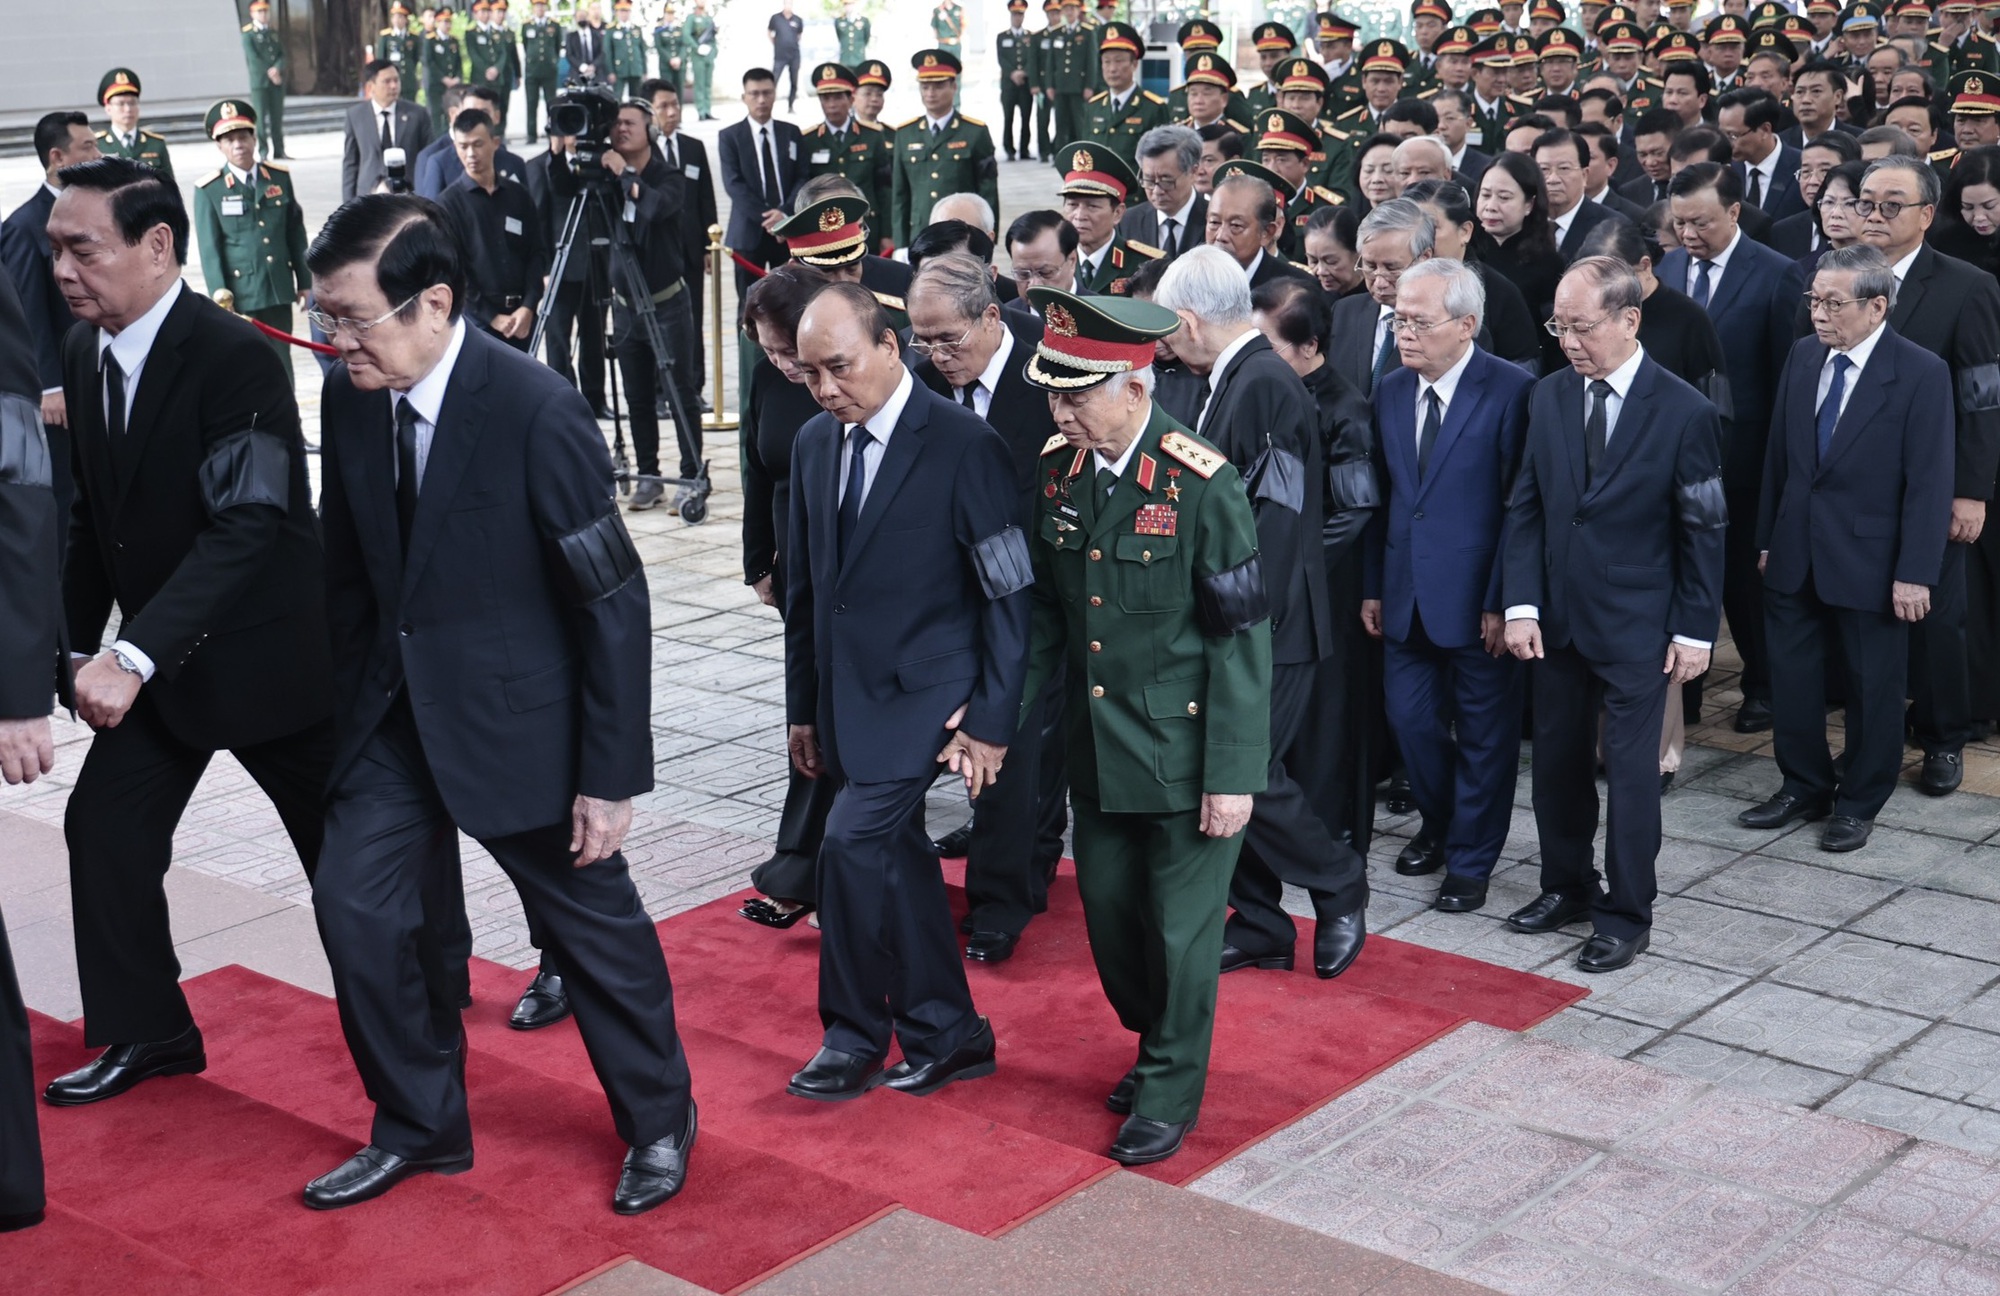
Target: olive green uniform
<point>853,35</point>
<point>860,153</point>
<point>441,60</point>
<point>628,58</point>
<point>405,49</point>
<point>1068,60</point>
<point>670,48</point>
<point>1331,166</point>
<point>495,64</point>
<point>263,51</point>
<point>947,24</point>
<point>1116,265</point>
<point>252,242</point>
<point>1159,714</point>
<point>541,57</point>
<point>146,148</point>
<point>701,59</point>
<point>1236,109</point>
<point>1016,53</point>
<point>1977,54</point>
<point>958,159</point>
<point>1299,209</point>
<point>1120,131</point>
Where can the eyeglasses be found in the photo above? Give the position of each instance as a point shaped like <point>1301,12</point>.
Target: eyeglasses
<point>1155,183</point>
<point>1814,304</point>
<point>929,349</point>
<point>1866,207</point>
<point>1376,270</point>
<point>1557,330</point>
<point>332,326</point>
<point>1404,324</point>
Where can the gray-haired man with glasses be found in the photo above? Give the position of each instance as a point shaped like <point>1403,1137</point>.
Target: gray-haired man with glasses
<point>1174,216</point>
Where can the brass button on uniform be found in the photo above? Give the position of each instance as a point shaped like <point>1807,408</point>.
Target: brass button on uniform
<point>1095,600</point>
<point>1145,555</point>
<point>1096,554</point>
<point>1194,708</point>
<point>1097,690</point>
<point>1095,646</point>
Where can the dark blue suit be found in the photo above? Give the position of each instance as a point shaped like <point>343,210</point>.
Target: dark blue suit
<point>1782,199</point>
<point>736,160</point>
<point>1839,530</point>
<point>1618,562</point>
<point>1434,562</point>
<point>882,644</point>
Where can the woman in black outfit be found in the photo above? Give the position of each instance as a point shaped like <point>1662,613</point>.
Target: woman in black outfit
<point>1968,217</point>
<point>779,405</point>
<point>1516,335</point>
<point>1516,238</point>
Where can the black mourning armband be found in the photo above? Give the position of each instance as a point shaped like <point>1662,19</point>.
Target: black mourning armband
<point>1278,476</point>
<point>599,558</point>
<point>1002,562</point>
<point>1715,385</point>
<point>24,447</point>
<point>1702,507</point>
<point>247,467</point>
<point>1979,388</point>
<point>1352,484</point>
<point>1230,602</point>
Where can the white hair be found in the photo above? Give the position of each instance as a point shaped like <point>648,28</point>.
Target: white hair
<point>1464,293</point>
<point>1209,283</point>
<point>1444,149</point>
<point>983,209</point>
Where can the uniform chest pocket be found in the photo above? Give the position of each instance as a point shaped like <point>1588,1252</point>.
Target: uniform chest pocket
<point>1149,573</point>
<point>1068,571</point>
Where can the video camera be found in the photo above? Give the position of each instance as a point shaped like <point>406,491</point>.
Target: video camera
<point>587,112</point>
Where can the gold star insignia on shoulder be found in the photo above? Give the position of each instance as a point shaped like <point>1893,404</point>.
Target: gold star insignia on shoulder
<point>1198,457</point>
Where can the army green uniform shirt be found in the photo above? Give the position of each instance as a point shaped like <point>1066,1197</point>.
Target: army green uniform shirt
<point>252,237</point>
<point>948,25</point>
<point>1120,130</point>
<point>264,51</point>
<point>541,49</point>
<point>861,153</point>
<point>406,50</point>
<point>492,50</point>
<point>853,34</point>
<point>928,165</point>
<point>146,147</point>
<point>628,56</point>
<point>671,50</point>
<point>1977,52</point>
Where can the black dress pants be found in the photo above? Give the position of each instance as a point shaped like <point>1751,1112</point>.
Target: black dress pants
<point>1940,669</point>
<point>1286,841</point>
<point>385,827</point>
<point>792,872</point>
<point>1873,654</point>
<point>1006,883</point>
<point>20,1134</point>
<point>1743,593</point>
<point>1052,804</point>
<point>638,365</point>
<point>1346,702</point>
<point>129,797</point>
<point>572,314</point>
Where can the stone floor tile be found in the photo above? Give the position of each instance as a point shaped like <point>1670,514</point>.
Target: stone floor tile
<point>1682,864</point>
<point>1365,1216</point>
<point>1975,873</point>
<point>1736,775</point>
<point>1522,1267</point>
<point>1982,1012</point>
<point>1890,976</point>
<point>1594,1032</point>
<point>1239,1177</point>
<point>1968,818</point>
<point>1700,816</point>
<point>1802,1155</point>
<point>1792,890</point>
<point>1654,990</point>
<point>1733,940</point>
<point>1312,1134</point>
<point>1568,1091</point>
<point>1477,936</point>
<point>1842,1253</point>
<point>1951,1062</point>
<point>1444,1057</point>
<point>1940,1192</point>
<point>1741,1071</point>
<point>1934,921</point>
<point>1894,854</point>
<point>1808,1028</point>
<point>1974,1129</point>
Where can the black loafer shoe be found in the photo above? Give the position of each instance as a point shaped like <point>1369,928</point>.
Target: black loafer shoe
<point>121,1066</point>
<point>1120,1098</point>
<point>371,1172</point>
<point>969,1061</point>
<point>1142,1142</point>
<point>833,1076</point>
<point>543,1003</point>
<point>991,947</point>
<point>1549,911</point>
<point>954,844</point>
<point>1337,943</point>
<point>1845,833</point>
<point>1943,772</point>
<point>1754,716</point>
<point>1399,800</point>
<point>22,1220</point>
<point>1424,854</point>
<point>1235,960</point>
<point>1785,808</point>
<point>772,913</point>
<point>1666,781</point>
<point>654,1173</point>
<point>1603,953</point>
<point>1460,894</point>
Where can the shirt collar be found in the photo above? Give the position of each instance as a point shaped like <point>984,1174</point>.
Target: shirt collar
<point>885,419</point>
<point>53,191</point>
<point>1255,261</point>
<point>1902,267</point>
<point>1720,261</point>
<point>1447,384</point>
<point>1117,465</point>
<point>131,343</point>
<point>1229,353</point>
<point>1180,218</point>
<point>1622,377</point>
<point>1860,351</point>
<point>1769,166</point>
<point>938,123</point>
<point>990,377</point>
<point>242,177</point>
<point>426,395</point>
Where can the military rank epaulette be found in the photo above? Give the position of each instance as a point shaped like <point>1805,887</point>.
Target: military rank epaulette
<point>1198,457</point>
<point>1944,155</point>
<point>249,26</point>
<point>1430,93</point>
<point>1327,195</point>
<point>104,134</point>
<point>970,121</point>
<point>276,166</point>
<point>1102,96</point>
<point>1358,111</point>
<point>874,126</point>
<point>890,300</point>
<point>815,131</point>
<point>1053,444</point>
<point>387,31</point>
<point>1150,97</point>
<point>1145,249</point>
<point>203,184</point>
<point>1241,128</point>
<point>913,121</point>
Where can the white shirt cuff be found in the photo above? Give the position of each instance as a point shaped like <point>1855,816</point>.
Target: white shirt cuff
<point>139,658</point>
<point>51,391</point>
<point>1524,612</point>
<point>1686,642</point>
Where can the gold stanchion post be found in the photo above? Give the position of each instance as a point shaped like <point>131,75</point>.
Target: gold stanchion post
<point>721,420</point>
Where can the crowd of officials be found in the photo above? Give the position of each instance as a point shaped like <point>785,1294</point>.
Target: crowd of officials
<point>1325,442</point>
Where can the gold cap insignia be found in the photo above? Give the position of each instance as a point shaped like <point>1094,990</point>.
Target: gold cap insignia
<point>930,60</point>
<point>831,220</point>
<point>1206,64</point>
<point>1276,123</point>
<point>1060,321</point>
<point>1082,161</point>
<point>1385,49</point>
<point>229,109</point>
<point>1973,85</point>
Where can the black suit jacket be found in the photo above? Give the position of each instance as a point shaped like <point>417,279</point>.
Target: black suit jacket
<point>1783,198</point>
<point>598,57</point>
<point>1271,266</point>
<point>1019,412</point>
<point>24,246</point>
<point>1752,308</point>
<point>1589,216</point>
<point>701,210</point>
<point>1471,166</point>
<point>33,664</point>
<point>1643,192</point>
<point>198,525</point>
<point>742,178</point>
<point>1352,353</point>
<point>1793,236</point>
<point>1619,565</point>
<point>1952,310</point>
<point>1142,222</point>
<point>1876,508</point>
<point>361,149</point>
<point>1614,201</point>
<point>519,622</point>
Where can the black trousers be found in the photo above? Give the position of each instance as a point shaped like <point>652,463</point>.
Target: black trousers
<point>889,961</point>
<point>1017,104</point>
<point>1006,875</point>
<point>1940,668</point>
<point>1286,841</point>
<point>20,1134</point>
<point>129,797</point>
<point>1345,697</point>
<point>570,315</point>
<point>781,64</point>
<point>642,389</point>
<point>1570,692</point>
<point>1743,593</point>
<point>385,827</point>
<point>792,872</point>
<point>1873,654</point>
<point>1052,804</point>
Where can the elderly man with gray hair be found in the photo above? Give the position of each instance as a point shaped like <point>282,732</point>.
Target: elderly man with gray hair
<point>1450,422</point>
<point>1174,216</point>
<point>1244,220</point>
<point>1261,417</point>
<point>1420,158</point>
<point>1392,238</point>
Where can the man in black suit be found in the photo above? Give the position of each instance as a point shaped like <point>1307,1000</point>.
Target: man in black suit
<point>573,341</point>
<point>587,46</point>
<point>193,516</point>
<point>1653,134</point>
<point>1612,566</point>
<point>1389,240</point>
<point>1851,538</point>
<point>1818,89</point>
<point>381,121</point>
<point>974,356</point>
<point>1599,178</point>
<point>1243,218</point>
<point>760,165</point>
<point>1768,167</point>
<point>1259,414</point>
<point>1174,216</point>
<point>906,624</point>
<point>689,156</point>
<point>467,489</point>
<point>1564,158</point>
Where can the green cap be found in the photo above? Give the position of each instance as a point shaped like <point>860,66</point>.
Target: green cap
<point>228,115</point>
<point>118,81</point>
<point>827,233</point>
<point>1086,340</point>
<point>1256,171</point>
<point>1093,168</point>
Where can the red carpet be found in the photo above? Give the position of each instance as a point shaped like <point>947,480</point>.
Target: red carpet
<point>191,1184</point>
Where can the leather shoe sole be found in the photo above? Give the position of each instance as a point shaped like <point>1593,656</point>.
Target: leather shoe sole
<point>991,947</point>
<point>379,1172</point>
<point>1460,895</point>
<point>122,1066</point>
<point>1235,960</point>
<point>1548,913</point>
<point>1603,953</point>
<point>831,1085</point>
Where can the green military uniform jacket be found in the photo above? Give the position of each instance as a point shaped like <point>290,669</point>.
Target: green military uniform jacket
<point>1120,131</point>
<point>948,24</point>
<point>1977,53</point>
<point>1235,109</point>
<point>262,51</point>
<point>1344,91</point>
<point>1331,165</point>
<point>147,148</point>
<point>1299,209</point>
<point>1120,260</point>
<point>701,36</point>
<point>669,48</point>
<point>628,51</point>
<point>1488,132</point>
<point>252,237</point>
<point>493,50</point>
<point>1067,60</point>
<point>853,35</point>
<point>1159,713</point>
<point>958,160</point>
<point>406,50</point>
<point>1421,78</point>
<point>541,48</point>
<point>861,153</point>
<point>1016,52</point>
<point>442,59</point>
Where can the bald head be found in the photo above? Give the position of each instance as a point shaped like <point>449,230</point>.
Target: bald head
<point>849,352</point>
<point>1420,159</point>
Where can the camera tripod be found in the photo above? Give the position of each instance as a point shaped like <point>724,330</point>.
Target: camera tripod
<point>592,206</point>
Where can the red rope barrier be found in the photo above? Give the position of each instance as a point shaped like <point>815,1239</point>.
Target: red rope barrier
<point>756,271</point>
<point>318,348</point>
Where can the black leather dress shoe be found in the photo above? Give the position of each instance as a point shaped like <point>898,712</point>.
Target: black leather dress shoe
<point>1142,1142</point>
<point>1235,960</point>
<point>21,1220</point>
<point>1666,781</point>
<point>954,844</point>
<point>1845,833</point>
<point>1754,716</point>
<point>1943,772</point>
<point>1548,911</point>
<point>969,1061</point>
<point>654,1173</point>
<point>1785,808</point>
<point>1120,1098</point>
<point>991,947</point>
<point>371,1172</point>
<point>543,1003</point>
<point>1460,894</point>
<point>773,913</point>
<point>1603,953</point>
<point>1398,799</point>
<point>1424,854</point>
<point>1337,943</point>
<point>833,1076</point>
<point>121,1066</point>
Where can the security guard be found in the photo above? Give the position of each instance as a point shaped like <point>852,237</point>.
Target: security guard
<point>853,30</point>
<point>940,152</point>
<point>443,67</point>
<point>541,60</point>
<point>1097,184</point>
<point>1015,48</point>
<point>402,45</point>
<point>118,92</point>
<point>490,50</point>
<point>628,51</point>
<point>701,57</point>
<point>1275,43</point>
<point>1147,590</point>
<point>1068,67</point>
<point>1285,147</point>
<point>264,53</point>
<point>841,144</point>
<point>948,25</point>
<point>248,228</point>
<point>1117,116</point>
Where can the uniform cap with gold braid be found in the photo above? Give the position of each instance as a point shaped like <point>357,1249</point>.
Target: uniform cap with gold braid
<point>1256,171</point>
<point>1052,6</point>
<point>1017,6</point>
<point>1120,36</point>
<point>1385,56</point>
<point>1333,27</point>
<point>1910,9</point>
<point>227,115</point>
<point>1210,70</point>
<point>1725,29</point>
<point>1524,50</point>
<point>1278,129</point>
<point>1302,74</point>
<point>1958,6</point>
<point>1273,38</point>
<point>399,8</point>
<point>1437,9</point>
<point>1621,38</point>
<point>874,73</point>
<point>1798,29</point>
<point>1822,7</point>
<point>833,78</point>
<point>1486,22</point>
<point>936,65</point>
<point>1773,41</point>
<point>1455,40</point>
<point>118,81</point>
<point>259,4</point>
<point>1559,42</point>
<point>1974,93</point>
<point>1548,11</point>
<point>1768,13</point>
<point>1495,51</point>
<point>1859,16</point>
<point>1088,340</point>
<point>1674,46</point>
<point>1092,168</point>
<point>1198,34</point>
<point>827,233</point>
<point>1613,14</point>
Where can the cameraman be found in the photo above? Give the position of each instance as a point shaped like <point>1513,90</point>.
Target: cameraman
<point>501,232</point>
<point>650,199</point>
<point>576,319</point>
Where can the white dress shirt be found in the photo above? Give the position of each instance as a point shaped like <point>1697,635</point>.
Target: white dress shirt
<point>1768,169</point>
<point>1446,387</point>
<point>1221,366</point>
<point>880,427</point>
<point>1180,220</point>
<point>1718,265</point>
<point>1087,262</point>
<point>989,378</point>
<point>1857,355</point>
<point>1564,221</point>
<point>1902,267</point>
<point>1255,261</point>
<point>426,397</point>
<point>1115,465</point>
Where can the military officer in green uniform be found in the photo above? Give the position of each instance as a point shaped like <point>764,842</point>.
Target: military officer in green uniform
<point>701,57</point>
<point>1494,107</point>
<point>118,92</point>
<point>832,236</point>
<point>941,152</point>
<point>403,45</point>
<point>1428,21</point>
<point>841,144</point>
<point>1118,115</point>
<point>264,52</point>
<point>1014,47</point>
<point>1200,36</point>
<point>628,51</point>
<point>1284,148</point>
<point>494,60</point>
<point>1147,591</point>
<point>1039,53</point>
<point>1208,84</point>
<point>853,30</point>
<point>670,47</point>
<point>248,228</point>
<point>1275,43</point>
<point>1961,46</point>
<point>1335,37</point>
<point>1301,89</point>
<point>1097,183</point>
<point>948,25</point>
<point>541,59</point>
<point>1069,66</point>
<point>1621,43</point>
<point>443,68</point>
<point>871,87</point>
<point>1384,64</point>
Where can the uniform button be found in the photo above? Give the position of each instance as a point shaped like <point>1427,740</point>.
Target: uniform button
<point>1059,541</point>
<point>1096,554</point>
<point>1576,521</point>
<point>1145,555</point>
<point>1096,601</point>
<point>1097,690</point>
<point>1096,646</point>
<point>1417,516</point>
<point>1194,708</point>
<point>839,609</point>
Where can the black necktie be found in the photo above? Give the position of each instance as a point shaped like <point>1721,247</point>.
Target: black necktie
<point>1755,195</point>
<point>673,155</point>
<point>1107,481</point>
<point>114,397</point>
<point>965,396</point>
<point>1427,436</point>
<point>1595,428</point>
<point>1703,286</point>
<point>1169,238</point>
<point>387,142</point>
<point>406,469</point>
<point>857,482</point>
<point>773,199</point>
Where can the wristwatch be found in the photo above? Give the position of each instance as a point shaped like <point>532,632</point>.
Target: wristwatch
<point>125,663</point>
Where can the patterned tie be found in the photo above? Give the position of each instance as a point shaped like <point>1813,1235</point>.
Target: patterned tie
<point>1829,409</point>
<point>857,482</point>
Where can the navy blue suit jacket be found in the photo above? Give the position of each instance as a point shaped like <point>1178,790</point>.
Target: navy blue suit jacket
<point>1783,199</point>
<point>1434,548</point>
<point>736,159</point>
<point>1620,566</point>
<point>1877,508</point>
<point>882,647</point>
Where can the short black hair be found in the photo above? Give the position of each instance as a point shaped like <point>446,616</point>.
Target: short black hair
<point>1029,226</point>
<point>1145,281</point>
<point>1697,176</point>
<point>52,132</point>
<point>1417,112</point>
<point>940,237</point>
<point>1549,105</point>
<point>1538,121</point>
<point>486,92</point>
<point>1694,68</point>
<point>1463,98</point>
<point>1835,78</point>
<point>1562,139</point>
<point>780,298</point>
<point>1297,309</point>
<point>410,240</point>
<point>471,119</point>
<point>760,74</point>
<point>1657,121</point>
<point>1613,105</point>
<point>375,67</point>
<point>141,198</point>
<point>452,97</point>
<point>1227,139</point>
<point>1601,139</point>
<point>652,86</point>
<point>1760,107</point>
<point>1704,143</point>
<point>1841,144</point>
<point>1618,239</point>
